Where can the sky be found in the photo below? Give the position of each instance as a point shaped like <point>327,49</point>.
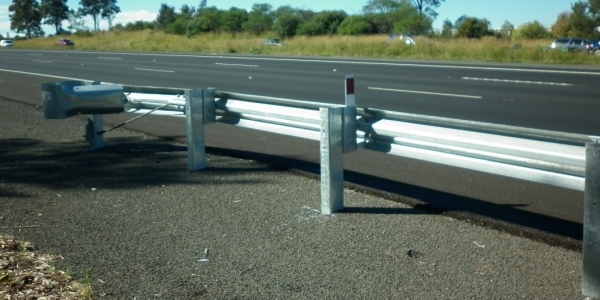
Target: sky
<point>516,12</point>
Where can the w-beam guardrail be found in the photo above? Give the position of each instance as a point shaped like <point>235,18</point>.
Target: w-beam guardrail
<point>555,158</point>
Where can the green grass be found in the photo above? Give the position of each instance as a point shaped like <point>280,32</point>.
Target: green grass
<point>373,46</point>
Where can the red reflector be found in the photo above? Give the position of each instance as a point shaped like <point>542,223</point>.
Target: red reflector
<point>349,86</point>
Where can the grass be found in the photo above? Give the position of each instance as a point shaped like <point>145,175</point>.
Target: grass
<point>372,46</point>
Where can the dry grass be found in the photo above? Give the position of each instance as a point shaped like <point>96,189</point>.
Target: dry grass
<point>25,274</point>
<point>373,46</point>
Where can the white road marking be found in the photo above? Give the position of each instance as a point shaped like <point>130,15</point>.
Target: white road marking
<point>109,57</point>
<point>518,81</point>
<point>237,65</point>
<point>34,54</point>
<point>45,75</point>
<point>374,63</point>
<point>43,61</point>
<point>425,93</point>
<point>154,70</point>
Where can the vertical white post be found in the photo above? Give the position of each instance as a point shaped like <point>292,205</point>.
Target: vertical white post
<point>95,125</point>
<point>350,97</point>
<point>591,222</point>
<point>332,167</point>
<point>194,115</point>
<point>350,127</point>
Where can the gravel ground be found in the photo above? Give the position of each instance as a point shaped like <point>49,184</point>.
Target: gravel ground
<point>131,220</point>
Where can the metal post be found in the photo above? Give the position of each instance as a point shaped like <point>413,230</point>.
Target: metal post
<point>194,112</point>
<point>332,167</point>
<point>92,132</point>
<point>591,222</point>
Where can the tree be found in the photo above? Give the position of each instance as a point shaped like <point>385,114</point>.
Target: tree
<point>532,30</point>
<point>380,6</point>
<point>507,29</point>
<point>427,6</point>
<point>471,27</point>
<point>232,20</point>
<point>409,20</point>
<point>208,20</point>
<point>355,25</point>
<point>25,16</point>
<point>260,18</point>
<point>286,25</point>
<point>325,22</point>
<point>54,12</point>
<point>98,9</point>
<point>76,21</point>
<point>562,26</point>
<point>585,17</point>
<point>447,29</point>
<point>166,15</point>
<point>110,11</point>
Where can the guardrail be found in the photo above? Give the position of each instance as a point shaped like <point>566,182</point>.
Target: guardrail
<point>548,157</point>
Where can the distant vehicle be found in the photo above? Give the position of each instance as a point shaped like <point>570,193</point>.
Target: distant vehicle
<point>273,42</point>
<point>594,47</point>
<point>6,43</point>
<point>571,44</point>
<point>403,37</point>
<point>64,42</point>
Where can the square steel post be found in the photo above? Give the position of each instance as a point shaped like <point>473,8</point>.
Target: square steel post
<point>94,126</point>
<point>591,222</point>
<point>197,112</point>
<point>332,167</point>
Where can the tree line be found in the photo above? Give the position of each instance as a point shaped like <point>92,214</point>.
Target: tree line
<point>377,17</point>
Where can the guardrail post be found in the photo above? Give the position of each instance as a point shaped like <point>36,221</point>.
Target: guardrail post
<point>94,127</point>
<point>591,221</point>
<point>332,167</point>
<point>198,112</point>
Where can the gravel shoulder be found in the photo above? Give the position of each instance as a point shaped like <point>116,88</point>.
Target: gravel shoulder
<point>130,219</point>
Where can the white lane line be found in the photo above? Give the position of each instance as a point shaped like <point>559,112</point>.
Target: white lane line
<point>43,61</point>
<point>425,93</point>
<point>44,75</point>
<point>109,57</point>
<point>237,65</point>
<point>154,70</point>
<point>34,54</point>
<point>518,81</point>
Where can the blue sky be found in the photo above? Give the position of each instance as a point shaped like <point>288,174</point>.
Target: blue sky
<point>496,11</point>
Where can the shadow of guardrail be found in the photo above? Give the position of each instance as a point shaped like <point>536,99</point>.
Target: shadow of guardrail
<point>503,217</point>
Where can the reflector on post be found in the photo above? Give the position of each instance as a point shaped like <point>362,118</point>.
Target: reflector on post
<point>350,98</point>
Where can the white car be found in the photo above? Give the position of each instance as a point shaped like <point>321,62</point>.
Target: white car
<point>6,43</point>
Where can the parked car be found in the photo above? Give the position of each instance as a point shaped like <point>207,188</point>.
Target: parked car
<point>402,37</point>
<point>571,44</point>
<point>594,47</point>
<point>65,42</point>
<point>6,43</point>
<point>273,42</point>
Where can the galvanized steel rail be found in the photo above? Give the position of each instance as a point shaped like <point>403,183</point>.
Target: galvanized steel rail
<point>548,157</point>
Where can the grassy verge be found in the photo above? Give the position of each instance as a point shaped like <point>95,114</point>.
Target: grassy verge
<point>375,46</point>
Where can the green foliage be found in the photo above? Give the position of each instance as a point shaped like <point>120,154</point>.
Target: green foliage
<point>409,20</point>
<point>507,29</point>
<point>232,20</point>
<point>25,16</point>
<point>355,25</point>
<point>286,25</point>
<point>472,27</point>
<point>54,12</point>
<point>207,20</point>
<point>562,26</point>
<point>179,26</point>
<point>531,30</point>
<point>584,18</point>
<point>325,22</point>
<point>447,29</point>
<point>427,7</point>
<point>260,19</point>
<point>166,15</point>
<point>99,9</point>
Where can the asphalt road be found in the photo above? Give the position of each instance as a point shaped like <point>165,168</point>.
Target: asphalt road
<point>552,98</point>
